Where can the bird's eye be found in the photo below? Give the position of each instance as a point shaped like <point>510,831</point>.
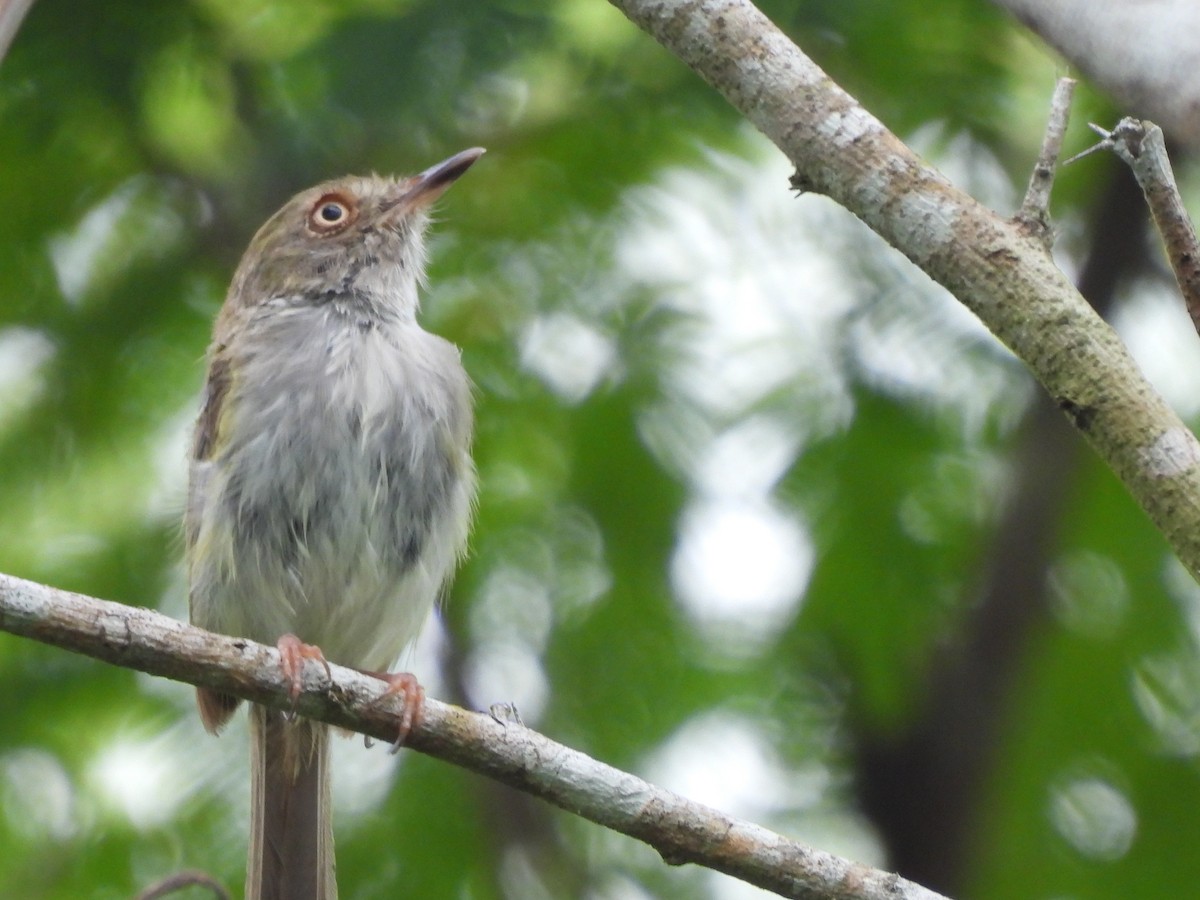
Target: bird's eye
<point>331,213</point>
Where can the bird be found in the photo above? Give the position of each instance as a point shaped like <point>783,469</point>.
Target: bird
<point>331,485</point>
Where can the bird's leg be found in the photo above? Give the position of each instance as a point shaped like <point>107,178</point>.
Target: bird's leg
<point>405,684</point>
<point>292,654</point>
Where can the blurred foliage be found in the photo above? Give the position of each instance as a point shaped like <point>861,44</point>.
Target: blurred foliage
<point>742,468</point>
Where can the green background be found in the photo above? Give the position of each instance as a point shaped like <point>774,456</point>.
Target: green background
<point>765,517</point>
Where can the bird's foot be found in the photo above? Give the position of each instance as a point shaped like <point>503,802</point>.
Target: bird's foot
<point>406,684</point>
<point>292,654</point>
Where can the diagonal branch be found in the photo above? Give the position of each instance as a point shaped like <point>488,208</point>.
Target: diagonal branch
<point>680,830</point>
<point>11,14</point>
<point>1142,147</point>
<point>1000,273</point>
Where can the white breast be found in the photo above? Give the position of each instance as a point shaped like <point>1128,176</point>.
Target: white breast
<point>343,489</point>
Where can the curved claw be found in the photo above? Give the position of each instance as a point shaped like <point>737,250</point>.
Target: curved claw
<point>292,654</point>
<point>406,684</point>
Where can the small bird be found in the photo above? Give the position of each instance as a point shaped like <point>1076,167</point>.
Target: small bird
<point>331,483</point>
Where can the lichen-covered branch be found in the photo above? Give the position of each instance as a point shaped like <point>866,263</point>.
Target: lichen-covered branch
<point>1144,55</point>
<point>1034,213</point>
<point>680,830</point>
<point>1141,146</point>
<point>11,14</point>
<point>987,261</point>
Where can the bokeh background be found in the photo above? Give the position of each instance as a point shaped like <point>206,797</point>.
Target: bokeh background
<point>766,517</point>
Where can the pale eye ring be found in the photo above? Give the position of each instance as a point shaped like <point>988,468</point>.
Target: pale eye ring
<point>330,213</point>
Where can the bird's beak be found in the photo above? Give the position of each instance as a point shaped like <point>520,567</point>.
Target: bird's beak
<point>421,190</point>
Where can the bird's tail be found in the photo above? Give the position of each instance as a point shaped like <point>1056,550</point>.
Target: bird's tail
<point>291,829</point>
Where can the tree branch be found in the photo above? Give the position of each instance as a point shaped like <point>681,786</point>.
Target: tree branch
<point>1145,55</point>
<point>180,881</point>
<point>1000,273</point>
<point>1035,208</point>
<point>11,14</point>
<point>680,830</point>
<point>1141,146</point>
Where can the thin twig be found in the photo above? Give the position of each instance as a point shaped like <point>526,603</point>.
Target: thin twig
<point>1141,146</point>
<point>498,747</point>
<point>181,880</point>
<point>1034,214</point>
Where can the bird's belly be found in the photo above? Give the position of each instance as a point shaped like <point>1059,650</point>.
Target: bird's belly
<point>342,528</point>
